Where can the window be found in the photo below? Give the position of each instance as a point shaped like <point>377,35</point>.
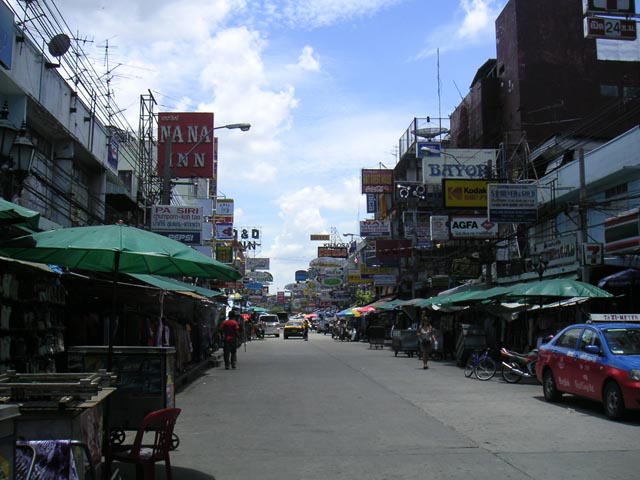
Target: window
<point>589,337</point>
<point>609,91</point>
<point>569,339</point>
<point>616,191</point>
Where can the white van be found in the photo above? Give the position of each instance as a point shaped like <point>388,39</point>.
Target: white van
<point>271,324</point>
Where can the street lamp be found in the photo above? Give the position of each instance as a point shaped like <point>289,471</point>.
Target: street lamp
<point>539,262</point>
<point>166,183</point>
<point>16,153</point>
<point>433,151</point>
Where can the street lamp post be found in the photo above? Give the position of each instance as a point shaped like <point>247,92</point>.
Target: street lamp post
<point>166,180</point>
<point>16,153</point>
<point>540,261</point>
<point>439,152</point>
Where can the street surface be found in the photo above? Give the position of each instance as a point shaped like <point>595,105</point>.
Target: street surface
<point>324,409</point>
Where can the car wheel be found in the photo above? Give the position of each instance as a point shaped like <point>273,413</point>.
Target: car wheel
<point>549,388</point>
<point>613,401</point>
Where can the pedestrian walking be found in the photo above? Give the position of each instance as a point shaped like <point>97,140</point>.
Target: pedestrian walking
<point>427,339</point>
<point>230,331</point>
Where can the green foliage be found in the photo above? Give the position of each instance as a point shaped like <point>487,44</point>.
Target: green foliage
<point>363,297</point>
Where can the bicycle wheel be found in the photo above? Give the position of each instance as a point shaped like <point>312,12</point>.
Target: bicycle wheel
<point>509,375</point>
<point>468,369</point>
<point>485,369</point>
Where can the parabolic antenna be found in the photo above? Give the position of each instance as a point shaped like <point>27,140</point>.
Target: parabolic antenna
<point>59,45</point>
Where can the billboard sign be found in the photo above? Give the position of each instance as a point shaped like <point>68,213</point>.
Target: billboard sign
<point>224,207</point>
<point>372,203</point>
<point>375,228</point>
<point>187,139</point>
<point>257,263</point>
<point>335,252</point>
<point>609,7</point>
<point>464,193</point>
<point>457,163</point>
<point>176,218</point>
<point>320,237</point>
<point>472,227</point>
<point>513,203</point>
<point>223,231</point>
<point>190,238</point>
<point>377,181</point>
<point>611,28</point>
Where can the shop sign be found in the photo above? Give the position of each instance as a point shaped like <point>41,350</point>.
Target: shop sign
<point>624,8</point>
<point>372,203</point>
<point>190,238</point>
<point>592,254</point>
<point>176,218</point>
<point>393,249</point>
<point>466,267</point>
<point>224,254</point>
<point>320,237</point>
<point>257,263</point>
<point>465,193</point>
<point>384,280</point>
<point>248,237</point>
<point>377,181</point>
<point>470,164</point>
<point>301,276</point>
<point>331,281</point>
<point>224,207</point>
<point>611,28</point>
<point>335,252</point>
<point>260,276</point>
<point>513,203</point>
<point>561,251</point>
<point>439,227</point>
<point>375,228</point>
<point>223,231</point>
<point>472,227</point>
<point>622,233</point>
<point>188,138</point>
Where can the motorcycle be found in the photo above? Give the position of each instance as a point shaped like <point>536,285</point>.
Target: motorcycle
<point>516,366</point>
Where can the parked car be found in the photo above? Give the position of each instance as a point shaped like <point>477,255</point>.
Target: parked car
<point>271,324</point>
<point>293,328</point>
<point>600,361</point>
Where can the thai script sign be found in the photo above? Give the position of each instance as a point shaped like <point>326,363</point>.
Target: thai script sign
<point>377,181</point>
<point>187,140</point>
<point>375,228</point>
<point>174,218</point>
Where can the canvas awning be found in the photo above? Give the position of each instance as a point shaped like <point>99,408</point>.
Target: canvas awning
<point>173,285</point>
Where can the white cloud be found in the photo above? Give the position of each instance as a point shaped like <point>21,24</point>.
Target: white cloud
<point>307,61</point>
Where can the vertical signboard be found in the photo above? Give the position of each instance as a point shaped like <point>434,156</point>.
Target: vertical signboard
<point>187,140</point>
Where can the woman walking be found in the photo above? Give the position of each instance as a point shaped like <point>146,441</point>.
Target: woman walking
<point>427,338</point>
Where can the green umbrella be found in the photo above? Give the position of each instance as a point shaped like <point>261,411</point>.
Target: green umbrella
<point>10,213</point>
<point>557,288</point>
<point>115,249</point>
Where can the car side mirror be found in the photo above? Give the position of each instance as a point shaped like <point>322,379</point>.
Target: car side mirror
<point>593,349</point>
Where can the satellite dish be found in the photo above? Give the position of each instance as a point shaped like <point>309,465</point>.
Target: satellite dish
<point>59,45</point>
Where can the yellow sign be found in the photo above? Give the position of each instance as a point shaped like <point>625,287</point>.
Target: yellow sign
<point>376,270</point>
<point>356,278</point>
<point>465,193</point>
<point>321,237</point>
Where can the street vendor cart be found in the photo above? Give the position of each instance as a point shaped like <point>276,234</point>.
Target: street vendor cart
<point>145,381</point>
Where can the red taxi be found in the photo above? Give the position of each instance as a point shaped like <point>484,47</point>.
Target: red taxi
<point>594,360</point>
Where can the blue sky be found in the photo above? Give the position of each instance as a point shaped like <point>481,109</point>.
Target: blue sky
<point>329,86</point>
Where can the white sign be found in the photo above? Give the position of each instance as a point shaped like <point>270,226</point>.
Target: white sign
<point>439,227</point>
<point>615,317</point>
<point>224,207</point>
<point>473,227</point>
<point>375,228</point>
<point>257,263</point>
<point>512,202</point>
<point>178,218</point>
<point>461,164</point>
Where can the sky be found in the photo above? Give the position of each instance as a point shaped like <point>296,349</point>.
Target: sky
<point>329,87</point>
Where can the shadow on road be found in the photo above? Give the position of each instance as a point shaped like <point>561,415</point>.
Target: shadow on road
<point>128,471</point>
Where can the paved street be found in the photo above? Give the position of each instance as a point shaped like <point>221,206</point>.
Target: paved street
<point>329,410</point>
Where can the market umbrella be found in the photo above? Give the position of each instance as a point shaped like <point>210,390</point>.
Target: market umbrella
<point>557,288</point>
<point>11,213</point>
<point>115,249</point>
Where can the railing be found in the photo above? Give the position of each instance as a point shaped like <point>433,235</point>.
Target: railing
<point>423,129</point>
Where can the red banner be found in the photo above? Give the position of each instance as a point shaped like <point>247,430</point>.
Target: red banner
<point>188,139</point>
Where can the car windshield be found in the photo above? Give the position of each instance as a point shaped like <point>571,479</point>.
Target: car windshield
<point>294,324</point>
<point>623,341</point>
<point>270,319</point>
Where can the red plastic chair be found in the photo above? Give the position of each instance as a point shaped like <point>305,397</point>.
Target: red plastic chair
<point>161,422</point>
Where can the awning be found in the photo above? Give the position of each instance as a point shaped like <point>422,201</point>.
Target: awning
<point>11,213</point>
<point>172,285</point>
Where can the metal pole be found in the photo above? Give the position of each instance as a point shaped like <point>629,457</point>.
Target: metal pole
<point>166,179</point>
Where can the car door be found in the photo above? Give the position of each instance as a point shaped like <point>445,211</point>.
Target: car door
<point>590,371</point>
<point>563,359</point>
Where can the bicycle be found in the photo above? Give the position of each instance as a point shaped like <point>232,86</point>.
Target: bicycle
<point>482,365</point>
